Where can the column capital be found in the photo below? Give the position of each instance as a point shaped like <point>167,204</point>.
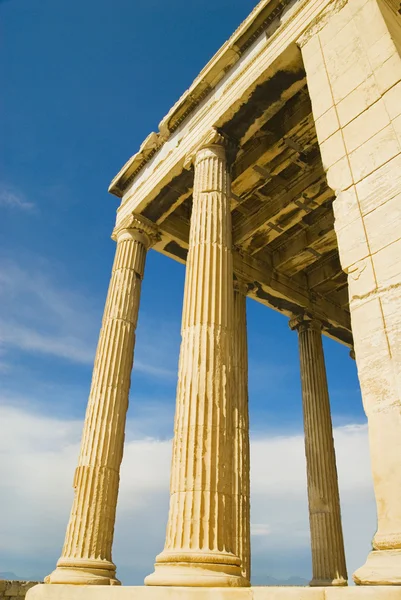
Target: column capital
<point>240,285</point>
<point>139,227</point>
<point>213,138</point>
<point>304,322</point>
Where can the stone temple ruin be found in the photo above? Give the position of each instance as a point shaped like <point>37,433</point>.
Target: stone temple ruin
<point>277,176</point>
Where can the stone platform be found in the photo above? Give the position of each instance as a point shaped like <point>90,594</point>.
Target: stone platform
<point>94,592</point>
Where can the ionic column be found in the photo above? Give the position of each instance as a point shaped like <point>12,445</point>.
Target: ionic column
<point>242,542</point>
<point>86,556</point>
<point>328,558</point>
<point>199,541</point>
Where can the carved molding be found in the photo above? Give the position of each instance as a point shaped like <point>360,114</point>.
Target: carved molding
<point>305,321</point>
<point>213,137</point>
<point>140,224</point>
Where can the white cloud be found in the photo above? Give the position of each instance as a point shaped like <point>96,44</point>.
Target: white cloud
<point>42,315</point>
<point>38,458</point>
<point>12,198</point>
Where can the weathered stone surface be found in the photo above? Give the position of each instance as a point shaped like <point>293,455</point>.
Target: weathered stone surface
<point>200,540</point>
<point>62,592</point>
<point>367,97</point>
<point>86,555</point>
<point>328,557</point>
<point>309,95</point>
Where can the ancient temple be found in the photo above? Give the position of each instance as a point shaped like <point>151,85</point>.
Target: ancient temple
<point>277,175</point>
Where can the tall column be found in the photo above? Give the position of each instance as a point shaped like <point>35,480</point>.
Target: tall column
<point>328,558</point>
<point>86,556</point>
<point>199,540</point>
<point>352,59</point>
<point>242,542</point>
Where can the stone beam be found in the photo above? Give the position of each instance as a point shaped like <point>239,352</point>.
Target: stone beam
<point>269,54</point>
<point>326,269</point>
<point>272,288</point>
<point>307,246</point>
<point>285,203</point>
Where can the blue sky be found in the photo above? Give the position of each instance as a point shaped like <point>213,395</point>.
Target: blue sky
<point>83,84</point>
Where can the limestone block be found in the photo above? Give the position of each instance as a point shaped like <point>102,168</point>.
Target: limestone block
<point>346,208</point>
<point>326,125</point>
<point>374,153</point>
<point>352,242</point>
<point>332,150</point>
<point>358,100</point>
<point>381,51</point>
<point>64,592</point>
<point>338,21</point>
<point>387,264</point>
<point>361,279</point>
<point>383,225</point>
<point>319,89</point>
<point>356,5</point>
<point>397,128</point>
<point>369,334</point>
<point>389,73</point>
<point>370,24</point>
<point>3,585</point>
<point>392,100</point>
<point>288,593</point>
<point>339,175</point>
<point>380,186</point>
<point>312,55</point>
<point>346,62</point>
<point>365,126</point>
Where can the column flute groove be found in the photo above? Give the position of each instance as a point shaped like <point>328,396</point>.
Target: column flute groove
<point>86,556</point>
<point>199,547</point>
<point>242,546</point>
<point>328,557</point>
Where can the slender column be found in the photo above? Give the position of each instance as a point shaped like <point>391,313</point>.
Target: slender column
<point>86,556</point>
<point>199,541</point>
<point>242,542</point>
<point>328,558</point>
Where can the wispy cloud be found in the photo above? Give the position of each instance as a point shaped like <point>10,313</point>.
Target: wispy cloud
<point>14,199</point>
<point>42,315</point>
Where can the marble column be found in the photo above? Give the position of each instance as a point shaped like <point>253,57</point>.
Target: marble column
<point>242,542</point>
<point>199,540</point>
<point>328,558</point>
<point>86,556</point>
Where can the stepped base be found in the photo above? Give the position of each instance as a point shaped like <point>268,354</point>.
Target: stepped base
<point>94,592</point>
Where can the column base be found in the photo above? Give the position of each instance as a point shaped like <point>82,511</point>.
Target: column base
<point>340,581</point>
<point>197,570</point>
<point>83,572</point>
<point>382,567</point>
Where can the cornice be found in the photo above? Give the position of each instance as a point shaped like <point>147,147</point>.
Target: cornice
<point>228,55</point>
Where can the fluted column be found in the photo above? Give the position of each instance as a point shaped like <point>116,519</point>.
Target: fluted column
<point>242,542</point>
<point>86,556</point>
<point>328,558</point>
<point>199,540</point>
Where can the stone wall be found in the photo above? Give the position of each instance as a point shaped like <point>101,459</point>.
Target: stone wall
<point>15,590</point>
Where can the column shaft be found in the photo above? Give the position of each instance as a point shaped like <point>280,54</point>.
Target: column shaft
<point>199,539</point>
<point>86,556</point>
<point>242,542</point>
<point>328,557</point>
